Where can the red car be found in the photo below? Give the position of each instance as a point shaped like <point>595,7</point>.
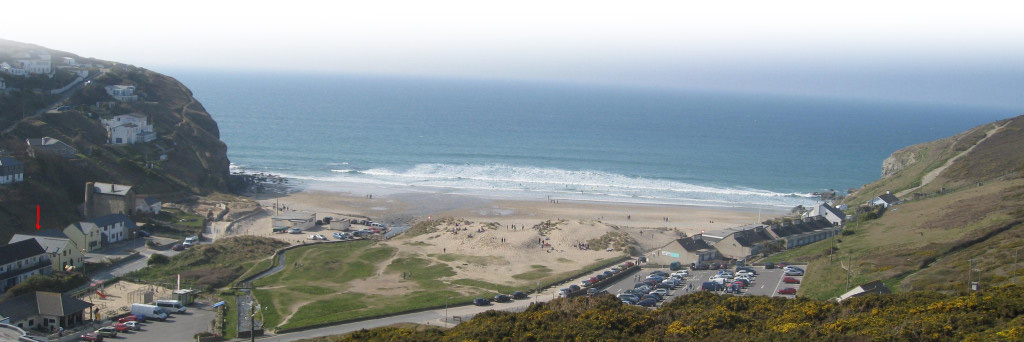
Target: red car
<point>178,247</point>
<point>787,291</point>
<point>790,280</point>
<point>91,337</point>
<point>121,327</point>
<point>128,318</point>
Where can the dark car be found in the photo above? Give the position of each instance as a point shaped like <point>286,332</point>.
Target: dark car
<point>659,273</point>
<point>769,265</point>
<point>650,302</point>
<point>699,267</point>
<point>502,298</point>
<point>481,302</point>
<point>574,288</point>
<point>666,285</point>
<point>748,269</point>
<point>787,291</point>
<point>710,286</point>
<point>142,233</point>
<point>91,337</point>
<point>518,295</point>
<point>178,247</point>
<point>654,295</point>
<point>790,280</point>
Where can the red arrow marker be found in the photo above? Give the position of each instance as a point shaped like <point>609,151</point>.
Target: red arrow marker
<point>37,217</point>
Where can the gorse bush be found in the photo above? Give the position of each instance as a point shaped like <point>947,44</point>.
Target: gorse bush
<point>993,315</point>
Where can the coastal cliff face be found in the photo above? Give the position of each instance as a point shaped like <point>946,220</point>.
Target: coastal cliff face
<point>186,158</point>
<point>898,161</point>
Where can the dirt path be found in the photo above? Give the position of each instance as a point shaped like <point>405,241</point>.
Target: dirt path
<point>931,175</point>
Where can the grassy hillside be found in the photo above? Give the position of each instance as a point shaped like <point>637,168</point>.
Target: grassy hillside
<point>211,266</point>
<point>919,316</point>
<point>196,160</point>
<point>926,243</point>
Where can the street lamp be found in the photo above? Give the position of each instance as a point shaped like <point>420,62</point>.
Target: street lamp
<point>446,309</point>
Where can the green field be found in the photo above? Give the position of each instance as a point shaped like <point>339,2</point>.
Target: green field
<point>317,284</point>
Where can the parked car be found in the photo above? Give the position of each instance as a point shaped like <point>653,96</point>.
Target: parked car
<point>790,280</point>
<point>700,267</point>
<point>121,327</point>
<point>662,292</point>
<point>178,247</point>
<point>574,288</point>
<point>794,273</point>
<point>338,235</point>
<point>769,265</point>
<point>295,231</point>
<point>321,237</point>
<point>94,337</point>
<point>650,302</point>
<point>683,273</point>
<point>787,291</point>
<point>132,325</point>
<point>481,302</point>
<point>628,264</point>
<point>748,269</point>
<point>502,298</point>
<point>131,318</point>
<point>106,332</point>
<point>519,295</point>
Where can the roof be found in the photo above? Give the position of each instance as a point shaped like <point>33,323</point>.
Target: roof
<point>834,211</point>
<point>41,303</point>
<point>84,227</point>
<point>151,200</point>
<point>107,220</point>
<point>693,244</point>
<point>48,243</point>
<point>111,189</point>
<point>805,225</point>
<point>19,250</point>
<point>873,287</point>
<point>752,237</point>
<point>44,141</point>
<point>888,198</point>
<point>8,161</point>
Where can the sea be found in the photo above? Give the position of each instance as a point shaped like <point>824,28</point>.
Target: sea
<point>548,141</point>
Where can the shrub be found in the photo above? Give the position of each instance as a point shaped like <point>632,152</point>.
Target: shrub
<point>158,259</point>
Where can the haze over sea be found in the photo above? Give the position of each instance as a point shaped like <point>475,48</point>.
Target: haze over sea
<point>534,140</point>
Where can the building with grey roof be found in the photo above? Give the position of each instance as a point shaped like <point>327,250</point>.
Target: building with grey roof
<point>43,310</point>
<point>20,260</point>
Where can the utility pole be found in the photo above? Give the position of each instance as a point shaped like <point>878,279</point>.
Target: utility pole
<point>970,272</point>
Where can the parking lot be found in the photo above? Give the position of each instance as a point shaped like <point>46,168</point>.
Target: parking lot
<point>766,283</point>
<point>177,327</point>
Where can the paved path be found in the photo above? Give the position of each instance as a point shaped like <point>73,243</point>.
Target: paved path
<point>931,175</point>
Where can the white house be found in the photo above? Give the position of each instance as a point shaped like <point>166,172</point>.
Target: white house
<point>37,66</point>
<point>10,69</point>
<point>11,170</point>
<point>294,219</point>
<point>129,129</point>
<point>829,212</point>
<point>886,200</point>
<point>114,227</point>
<point>148,205</point>
<point>123,93</point>
<point>69,61</point>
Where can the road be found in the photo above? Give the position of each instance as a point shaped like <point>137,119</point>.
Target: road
<point>63,97</point>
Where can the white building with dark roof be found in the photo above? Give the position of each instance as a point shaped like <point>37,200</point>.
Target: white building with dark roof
<point>886,200</point>
<point>20,260</point>
<point>829,212</point>
<point>44,310</point>
<point>64,254</point>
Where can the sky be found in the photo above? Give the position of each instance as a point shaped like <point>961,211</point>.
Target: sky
<point>931,51</point>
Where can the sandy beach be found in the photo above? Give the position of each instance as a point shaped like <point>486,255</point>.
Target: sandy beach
<point>491,239</point>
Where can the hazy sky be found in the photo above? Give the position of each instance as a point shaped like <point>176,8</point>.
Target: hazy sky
<point>955,52</point>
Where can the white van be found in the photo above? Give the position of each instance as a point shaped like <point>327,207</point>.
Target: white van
<point>149,311</point>
<point>171,305</point>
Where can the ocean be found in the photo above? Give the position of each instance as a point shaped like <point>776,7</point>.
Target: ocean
<point>540,140</point>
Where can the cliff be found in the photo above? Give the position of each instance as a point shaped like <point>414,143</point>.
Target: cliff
<point>186,158</point>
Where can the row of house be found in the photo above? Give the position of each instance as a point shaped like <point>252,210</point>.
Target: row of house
<point>741,243</point>
<point>31,63</point>
<point>11,171</point>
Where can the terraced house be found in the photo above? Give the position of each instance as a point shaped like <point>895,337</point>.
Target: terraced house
<point>20,260</point>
